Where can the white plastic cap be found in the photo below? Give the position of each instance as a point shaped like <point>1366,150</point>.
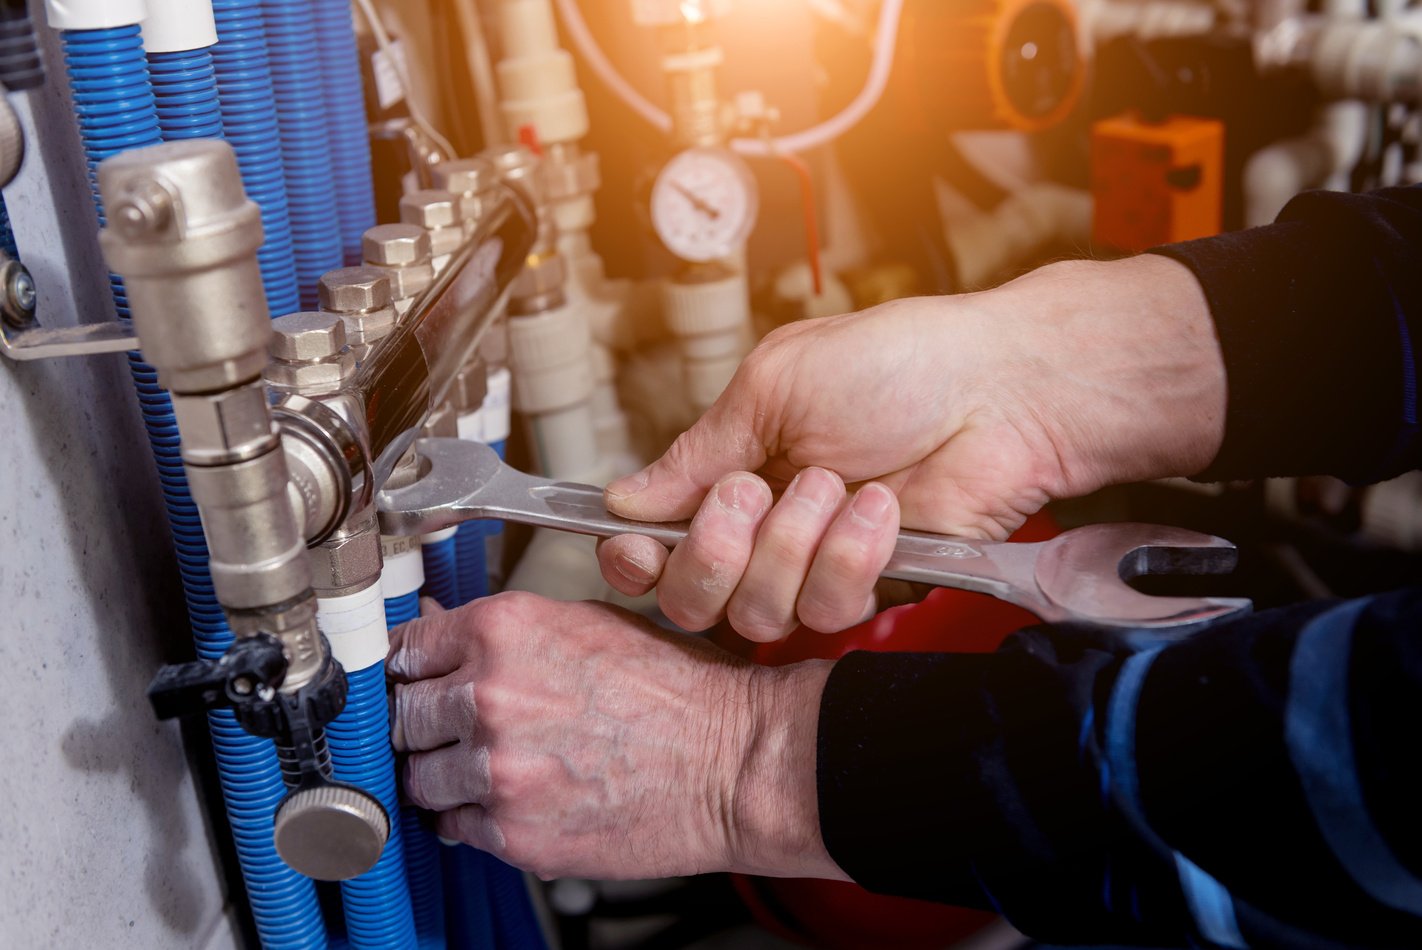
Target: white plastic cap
<point>93,14</point>
<point>176,25</point>
<point>718,306</point>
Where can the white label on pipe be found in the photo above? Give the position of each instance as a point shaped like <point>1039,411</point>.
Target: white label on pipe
<point>435,537</point>
<point>404,570</point>
<point>355,626</point>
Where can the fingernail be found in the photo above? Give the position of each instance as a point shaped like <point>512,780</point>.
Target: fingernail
<point>815,487</point>
<point>634,570</point>
<point>628,484</point>
<point>870,505</point>
<point>739,497</point>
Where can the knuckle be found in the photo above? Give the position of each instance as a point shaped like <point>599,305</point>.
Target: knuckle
<point>757,622</point>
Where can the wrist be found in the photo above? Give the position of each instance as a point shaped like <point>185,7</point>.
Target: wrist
<point>774,825</point>
<point>1134,383</point>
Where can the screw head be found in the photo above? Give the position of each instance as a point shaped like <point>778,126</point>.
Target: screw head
<point>303,337</point>
<point>465,176</point>
<point>145,207</point>
<point>395,245</point>
<point>429,209</point>
<point>354,289</point>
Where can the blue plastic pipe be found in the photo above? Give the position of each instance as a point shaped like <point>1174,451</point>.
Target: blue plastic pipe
<point>377,904</point>
<point>249,123</point>
<point>421,846</point>
<point>442,575</point>
<point>185,94</point>
<point>109,80</point>
<point>305,145</point>
<point>346,122</point>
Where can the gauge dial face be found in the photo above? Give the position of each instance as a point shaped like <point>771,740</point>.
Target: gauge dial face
<point>704,204</point>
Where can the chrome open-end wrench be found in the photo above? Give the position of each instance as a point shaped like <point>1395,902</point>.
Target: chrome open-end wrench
<point>1079,576</point>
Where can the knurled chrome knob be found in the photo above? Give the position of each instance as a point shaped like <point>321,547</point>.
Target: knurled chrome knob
<point>330,832</point>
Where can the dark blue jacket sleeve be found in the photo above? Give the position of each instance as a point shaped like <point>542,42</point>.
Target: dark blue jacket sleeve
<point>1257,785</point>
<point>1319,316</point>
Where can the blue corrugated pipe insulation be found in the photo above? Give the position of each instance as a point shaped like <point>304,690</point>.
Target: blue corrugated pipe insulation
<point>305,144</point>
<point>421,846</point>
<point>345,118</point>
<point>109,80</point>
<point>442,570</point>
<point>249,123</point>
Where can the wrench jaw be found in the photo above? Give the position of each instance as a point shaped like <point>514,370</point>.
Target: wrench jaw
<point>1082,575</point>
<point>454,474</point>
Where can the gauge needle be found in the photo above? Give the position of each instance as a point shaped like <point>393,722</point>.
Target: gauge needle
<point>698,203</point>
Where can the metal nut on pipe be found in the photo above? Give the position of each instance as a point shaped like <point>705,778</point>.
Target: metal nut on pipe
<point>225,427</point>
<point>349,560</point>
<point>258,556</point>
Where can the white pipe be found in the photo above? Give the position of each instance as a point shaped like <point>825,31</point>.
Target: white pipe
<point>355,626</point>
<point>93,14</point>
<point>1322,157</point>
<point>885,42</point>
<point>987,244</point>
<point>1276,173</point>
<point>177,25</point>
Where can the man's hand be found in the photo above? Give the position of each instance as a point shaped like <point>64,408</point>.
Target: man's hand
<point>578,739</point>
<point>958,415</point>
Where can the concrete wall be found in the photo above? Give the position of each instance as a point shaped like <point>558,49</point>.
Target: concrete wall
<point>103,839</point>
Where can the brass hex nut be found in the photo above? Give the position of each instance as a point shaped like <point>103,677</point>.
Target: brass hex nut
<point>465,176</point>
<point>310,379</point>
<point>302,337</point>
<point>352,289</point>
<point>430,209</point>
<point>446,240</point>
<point>407,281</point>
<point>395,245</point>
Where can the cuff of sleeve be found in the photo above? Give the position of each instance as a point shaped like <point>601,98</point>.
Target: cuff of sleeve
<point>1298,308</point>
<point>898,795</point>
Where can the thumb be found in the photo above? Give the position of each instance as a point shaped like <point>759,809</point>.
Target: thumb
<point>672,487</point>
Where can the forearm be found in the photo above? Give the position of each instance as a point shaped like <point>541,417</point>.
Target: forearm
<point>1093,793</point>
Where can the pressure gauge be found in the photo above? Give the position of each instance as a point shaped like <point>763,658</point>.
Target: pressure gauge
<point>704,204</point>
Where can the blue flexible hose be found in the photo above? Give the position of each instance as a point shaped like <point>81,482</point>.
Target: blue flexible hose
<point>108,77</point>
<point>402,608</point>
<point>443,575</point>
<point>421,846</point>
<point>472,565</point>
<point>249,123</point>
<point>345,117</point>
<point>377,903</point>
<point>515,922</point>
<point>468,918</point>
<point>185,93</point>
<point>305,147</point>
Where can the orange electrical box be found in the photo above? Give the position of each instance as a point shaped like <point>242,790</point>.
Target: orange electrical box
<point>1155,182</point>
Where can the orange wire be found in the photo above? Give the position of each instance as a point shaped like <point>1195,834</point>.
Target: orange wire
<point>812,227</point>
